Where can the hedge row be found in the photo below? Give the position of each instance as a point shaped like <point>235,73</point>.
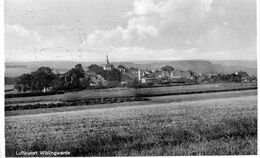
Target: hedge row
<point>90,101</point>
<point>17,95</point>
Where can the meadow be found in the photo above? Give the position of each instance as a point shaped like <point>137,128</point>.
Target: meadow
<point>216,126</point>
<point>143,92</point>
<point>147,101</point>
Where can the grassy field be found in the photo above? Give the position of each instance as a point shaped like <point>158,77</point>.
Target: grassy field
<point>117,92</point>
<point>150,100</point>
<point>221,126</point>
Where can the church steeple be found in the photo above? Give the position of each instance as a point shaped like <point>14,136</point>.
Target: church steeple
<point>108,63</point>
<point>108,66</point>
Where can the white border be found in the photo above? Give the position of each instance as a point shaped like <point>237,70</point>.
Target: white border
<point>2,58</point>
<point>258,72</point>
<point>2,120</point>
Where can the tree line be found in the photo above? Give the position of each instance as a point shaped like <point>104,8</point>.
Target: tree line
<point>77,78</point>
<point>74,79</point>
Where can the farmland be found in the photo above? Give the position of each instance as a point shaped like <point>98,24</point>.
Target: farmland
<point>148,101</point>
<point>222,123</point>
<point>120,92</point>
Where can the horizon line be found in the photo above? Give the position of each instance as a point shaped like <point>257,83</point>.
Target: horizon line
<point>135,60</point>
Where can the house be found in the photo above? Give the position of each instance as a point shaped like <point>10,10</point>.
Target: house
<point>148,80</point>
<point>93,84</point>
<point>244,79</point>
<point>181,73</point>
<point>95,79</point>
<point>164,74</point>
<point>47,89</point>
<point>122,69</point>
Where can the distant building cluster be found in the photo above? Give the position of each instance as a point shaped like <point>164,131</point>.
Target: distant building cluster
<point>95,76</point>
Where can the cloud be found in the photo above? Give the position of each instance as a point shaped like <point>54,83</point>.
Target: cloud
<point>140,53</point>
<point>138,29</point>
<point>145,7</point>
<point>151,20</point>
<point>18,37</point>
<point>17,30</point>
<point>180,24</point>
<point>20,31</point>
<point>59,38</point>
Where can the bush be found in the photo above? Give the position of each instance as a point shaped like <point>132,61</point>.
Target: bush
<point>75,102</point>
<point>17,95</point>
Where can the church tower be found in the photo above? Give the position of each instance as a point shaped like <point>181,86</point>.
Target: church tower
<point>108,66</point>
<point>108,63</point>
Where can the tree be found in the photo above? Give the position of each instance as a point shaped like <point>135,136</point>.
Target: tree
<point>42,78</point>
<point>59,82</point>
<point>95,68</point>
<point>37,80</point>
<point>133,69</point>
<point>121,67</point>
<point>75,78</point>
<point>157,72</point>
<point>167,68</point>
<point>254,78</point>
<point>24,82</point>
<point>79,70</point>
<point>98,70</point>
<point>114,75</point>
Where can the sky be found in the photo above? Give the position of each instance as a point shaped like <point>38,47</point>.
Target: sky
<point>129,30</point>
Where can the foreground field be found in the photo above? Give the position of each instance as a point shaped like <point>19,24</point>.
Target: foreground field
<point>220,126</point>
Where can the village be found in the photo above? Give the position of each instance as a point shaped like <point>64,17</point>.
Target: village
<point>108,76</point>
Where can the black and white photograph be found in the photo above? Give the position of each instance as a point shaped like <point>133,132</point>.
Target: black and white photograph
<point>94,78</point>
